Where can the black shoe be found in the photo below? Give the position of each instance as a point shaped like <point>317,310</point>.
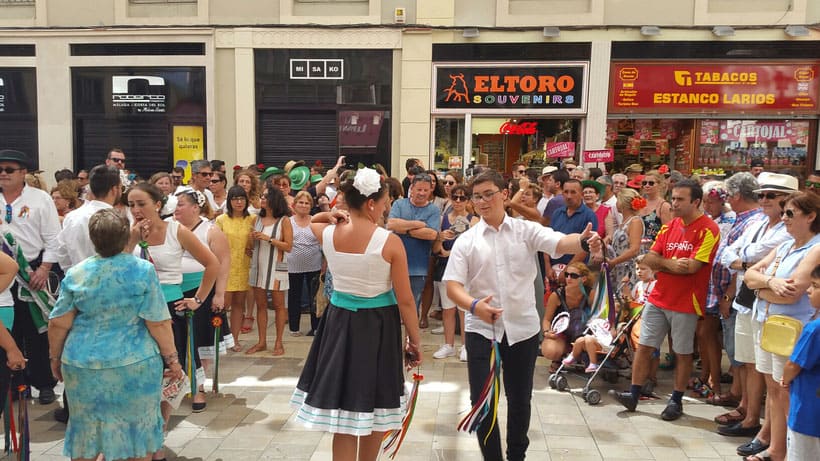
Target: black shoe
<point>311,333</point>
<point>47,396</point>
<point>752,448</point>
<point>737,430</point>
<point>625,399</point>
<point>198,407</point>
<point>673,411</point>
<point>61,416</point>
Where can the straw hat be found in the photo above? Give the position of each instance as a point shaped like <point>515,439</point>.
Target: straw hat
<point>548,170</point>
<point>292,164</point>
<point>777,183</point>
<point>634,168</point>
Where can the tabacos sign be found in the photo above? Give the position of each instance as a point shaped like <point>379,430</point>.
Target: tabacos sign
<point>719,87</point>
<point>492,88</point>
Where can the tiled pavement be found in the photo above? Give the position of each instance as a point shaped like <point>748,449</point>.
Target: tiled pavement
<point>251,419</point>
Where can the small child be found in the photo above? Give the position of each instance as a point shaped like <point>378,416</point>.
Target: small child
<point>600,340</point>
<point>802,377</point>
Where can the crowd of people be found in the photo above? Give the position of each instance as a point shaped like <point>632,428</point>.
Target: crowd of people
<point>705,262</point>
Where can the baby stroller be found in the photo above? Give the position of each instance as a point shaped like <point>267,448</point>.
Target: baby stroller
<point>618,351</point>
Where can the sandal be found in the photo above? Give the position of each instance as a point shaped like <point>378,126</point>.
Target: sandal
<point>723,400</point>
<point>247,324</point>
<point>695,384</point>
<point>729,418</point>
<point>762,456</point>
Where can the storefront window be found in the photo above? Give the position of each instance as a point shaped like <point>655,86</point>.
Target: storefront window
<point>731,145</point>
<point>651,143</point>
<point>500,142</point>
<point>448,151</point>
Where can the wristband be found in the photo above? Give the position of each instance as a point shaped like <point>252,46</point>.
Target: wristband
<point>472,305</point>
<point>584,244</point>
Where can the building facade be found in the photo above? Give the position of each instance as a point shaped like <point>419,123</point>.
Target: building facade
<point>701,85</point>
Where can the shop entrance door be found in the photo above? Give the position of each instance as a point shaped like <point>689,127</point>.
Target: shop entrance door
<point>145,142</point>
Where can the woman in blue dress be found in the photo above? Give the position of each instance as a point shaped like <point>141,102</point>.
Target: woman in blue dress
<point>109,334</point>
<point>352,383</point>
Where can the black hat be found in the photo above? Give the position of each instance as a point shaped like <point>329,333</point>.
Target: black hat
<point>756,162</point>
<point>11,155</point>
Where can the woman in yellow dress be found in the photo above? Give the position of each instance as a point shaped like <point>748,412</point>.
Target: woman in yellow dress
<point>237,224</point>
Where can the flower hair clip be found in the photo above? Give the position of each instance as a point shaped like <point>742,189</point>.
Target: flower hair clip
<point>638,203</point>
<point>367,181</point>
<point>718,193</point>
<point>200,198</point>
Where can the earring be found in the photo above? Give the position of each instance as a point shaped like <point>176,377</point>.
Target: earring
<point>372,208</point>
<point>157,210</point>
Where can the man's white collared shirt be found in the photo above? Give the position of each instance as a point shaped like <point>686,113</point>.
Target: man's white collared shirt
<point>74,241</point>
<point>501,263</point>
<point>34,223</point>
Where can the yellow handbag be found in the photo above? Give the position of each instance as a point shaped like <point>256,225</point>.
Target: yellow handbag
<point>780,334</point>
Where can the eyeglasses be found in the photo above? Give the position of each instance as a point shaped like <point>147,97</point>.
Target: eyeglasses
<point>787,214</point>
<point>486,196</point>
<point>205,173</point>
<point>647,183</point>
<point>8,214</point>
<point>117,159</point>
<point>813,185</point>
<point>453,183</point>
<point>9,170</point>
<point>573,275</point>
<point>459,198</point>
<point>768,195</point>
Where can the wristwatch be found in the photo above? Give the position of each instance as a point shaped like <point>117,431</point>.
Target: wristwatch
<point>197,300</point>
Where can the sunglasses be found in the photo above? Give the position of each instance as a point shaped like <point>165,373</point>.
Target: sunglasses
<point>787,214</point>
<point>9,170</point>
<point>574,275</point>
<point>768,195</point>
<point>459,198</point>
<point>813,185</point>
<point>453,183</point>
<point>118,160</point>
<point>216,181</point>
<point>522,171</point>
<point>647,183</point>
<point>8,214</point>
<point>205,173</point>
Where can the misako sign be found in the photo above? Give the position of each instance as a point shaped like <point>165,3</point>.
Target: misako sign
<point>500,88</point>
<point>719,87</point>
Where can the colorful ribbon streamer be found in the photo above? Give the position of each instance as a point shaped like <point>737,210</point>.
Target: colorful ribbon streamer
<point>190,363</point>
<point>144,253</point>
<point>487,403</point>
<point>396,436</point>
<point>216,321</point>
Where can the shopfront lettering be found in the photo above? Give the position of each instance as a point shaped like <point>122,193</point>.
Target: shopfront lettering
<point>523,128</point>
<point>719,87</point>
<point>539,86</point>
<point>526,84</point>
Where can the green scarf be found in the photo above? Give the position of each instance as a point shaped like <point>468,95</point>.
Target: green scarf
<point>40,302</point>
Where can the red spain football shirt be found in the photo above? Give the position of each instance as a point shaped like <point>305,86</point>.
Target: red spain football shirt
<point>699,240</point>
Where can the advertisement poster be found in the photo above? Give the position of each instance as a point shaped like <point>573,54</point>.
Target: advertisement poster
<point>189,145</point>
<point>709,131</point>
<point>599,155</point>
<point>560,149</point>
<point>718,87</point>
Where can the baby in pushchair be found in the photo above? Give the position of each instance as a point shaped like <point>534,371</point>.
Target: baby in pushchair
<point>599,334</point>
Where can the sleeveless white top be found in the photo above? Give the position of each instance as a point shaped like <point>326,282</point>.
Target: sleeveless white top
<point>361,274</point>
<point>167,257</point>
<point>189,264</point>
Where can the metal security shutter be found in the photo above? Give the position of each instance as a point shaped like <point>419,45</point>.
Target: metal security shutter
<point>20,135</point>
<point>297,135</point>
<point>146,143</point>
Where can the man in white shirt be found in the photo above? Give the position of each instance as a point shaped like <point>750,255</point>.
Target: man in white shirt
<point>116,158</point>
<point>74,242</point>
<point>489,276</point>
<point>30,216</point>
<point>546,183</point>
<point>610,199</point>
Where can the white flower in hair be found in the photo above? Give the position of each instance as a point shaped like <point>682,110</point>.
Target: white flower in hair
<point>367,181</point>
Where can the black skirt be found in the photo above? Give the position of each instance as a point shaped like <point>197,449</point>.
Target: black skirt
<point>353,381</point>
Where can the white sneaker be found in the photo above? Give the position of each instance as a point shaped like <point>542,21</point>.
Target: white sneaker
<point>444,351</point>
<point>437,330</point>
<point>462,355</point>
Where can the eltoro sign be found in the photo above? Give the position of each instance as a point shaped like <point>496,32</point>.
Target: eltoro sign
<point>532,88</point>
<point>718,87</point>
